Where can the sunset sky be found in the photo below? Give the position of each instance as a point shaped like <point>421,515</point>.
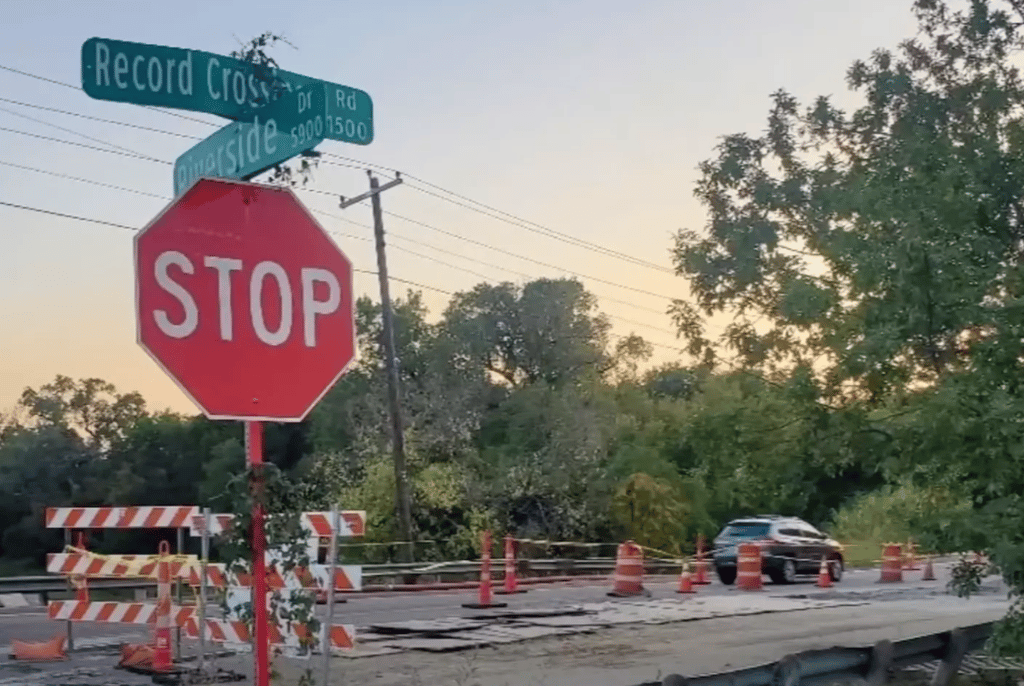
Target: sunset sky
<point>588,118</point>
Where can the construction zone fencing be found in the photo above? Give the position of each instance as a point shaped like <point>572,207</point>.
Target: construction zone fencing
<point>195,572</point>
<point>872,665</point>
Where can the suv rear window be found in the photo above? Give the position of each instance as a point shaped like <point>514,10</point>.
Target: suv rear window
<point>747,530</point>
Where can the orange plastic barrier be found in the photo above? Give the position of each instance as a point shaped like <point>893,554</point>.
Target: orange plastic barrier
<point>892,564</point>
<point>629,571</point>
<point>44,651</point>
<point>140,656</point>
<point>701,576</point>
<point>748,567</point>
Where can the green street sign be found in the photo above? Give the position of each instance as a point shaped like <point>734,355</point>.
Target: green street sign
<point>199,81</point>
<point>288,126</point>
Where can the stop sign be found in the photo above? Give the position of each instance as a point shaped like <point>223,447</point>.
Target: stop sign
<point>244,300</point>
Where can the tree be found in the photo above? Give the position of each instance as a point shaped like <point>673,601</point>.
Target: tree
<point>883,243</point>
<point>882,248</point>
<point>547,331</point>
<point>92,407</point>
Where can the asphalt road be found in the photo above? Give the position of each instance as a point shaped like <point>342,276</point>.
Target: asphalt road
<point>365,610</point>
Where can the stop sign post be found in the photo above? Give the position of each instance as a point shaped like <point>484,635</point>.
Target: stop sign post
<point>245,301</point>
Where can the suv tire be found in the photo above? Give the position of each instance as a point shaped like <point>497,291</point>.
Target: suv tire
<point>835,570</point>
<point>727,575</point>
<point>786,574</point>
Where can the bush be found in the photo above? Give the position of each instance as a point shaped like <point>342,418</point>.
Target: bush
<point>894,513</point>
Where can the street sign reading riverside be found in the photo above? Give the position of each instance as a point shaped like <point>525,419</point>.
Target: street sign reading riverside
<point>290,125</point>
<point>199,81</point>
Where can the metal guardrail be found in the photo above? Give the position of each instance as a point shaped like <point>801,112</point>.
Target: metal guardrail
<point>464,568</point>
<point>870,665</point>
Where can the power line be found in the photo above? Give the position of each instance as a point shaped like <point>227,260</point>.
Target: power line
<point>642,291</point>
<point>100,119</point>
<point>527,259</point>
<point>81,180</point>
<point>456,198</point>
<point>125,227</point>
<point>76,133</point>
<point>83,145</point>
<point>397,216</point>
<point>103,222</point>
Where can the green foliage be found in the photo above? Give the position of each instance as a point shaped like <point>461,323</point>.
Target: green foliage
<point>651,512</point>
<point>967,575</point>
<point>898,513</point>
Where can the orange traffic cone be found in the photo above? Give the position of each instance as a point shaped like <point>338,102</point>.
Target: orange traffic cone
<point>824,578</point>
<point>685,580</point>
<point>929,570</point>
<point>484,599</point>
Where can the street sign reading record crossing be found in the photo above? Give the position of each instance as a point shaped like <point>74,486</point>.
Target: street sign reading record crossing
<point>290,125</point>
<point>200,81</point>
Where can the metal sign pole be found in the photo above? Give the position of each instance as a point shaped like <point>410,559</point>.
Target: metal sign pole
<point>178,594</point>
<point>204,560</point>
<point>333,562</point>
<point>71,638</point>
<point>254,449</point>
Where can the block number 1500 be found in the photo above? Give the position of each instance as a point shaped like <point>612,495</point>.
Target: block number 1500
<point>314,128</point>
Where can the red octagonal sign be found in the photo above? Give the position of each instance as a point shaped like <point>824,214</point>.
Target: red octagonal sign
<point>243,299</point>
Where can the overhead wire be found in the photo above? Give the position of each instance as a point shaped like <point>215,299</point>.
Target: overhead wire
<point>455,198</point>
<point>417,222</point>
<point>353,163</point>
<point>103,222</point>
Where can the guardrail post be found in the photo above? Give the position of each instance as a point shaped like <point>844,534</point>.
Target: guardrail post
<point>882,655</point>
<point>956,647</point>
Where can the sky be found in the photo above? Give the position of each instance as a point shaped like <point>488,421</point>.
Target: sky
<point>588,118</point>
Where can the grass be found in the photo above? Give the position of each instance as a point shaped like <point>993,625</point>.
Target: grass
<point>862,554</point>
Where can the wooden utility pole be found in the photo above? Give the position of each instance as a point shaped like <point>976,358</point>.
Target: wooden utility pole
<point>403,506</point>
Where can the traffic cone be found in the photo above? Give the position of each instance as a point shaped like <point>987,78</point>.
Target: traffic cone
<point>511,584</point>
<point>929,570</point>
<point>824,578</point>
<point>685,582</point>
<point>484,599</point>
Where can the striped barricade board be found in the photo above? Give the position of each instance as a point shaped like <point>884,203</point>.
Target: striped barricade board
<point>352,523</point>
<point>142,517</point>
<point>121,566</point>
<point>342,636</point>
<point>313,578</point>
<point>114,612</point>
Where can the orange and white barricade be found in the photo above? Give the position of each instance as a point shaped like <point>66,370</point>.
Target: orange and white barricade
<point>629,571</point>
<point>749,567</point>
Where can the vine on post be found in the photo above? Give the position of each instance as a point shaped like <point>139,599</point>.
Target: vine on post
<point>255,52</point>
<point>293,611</point>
